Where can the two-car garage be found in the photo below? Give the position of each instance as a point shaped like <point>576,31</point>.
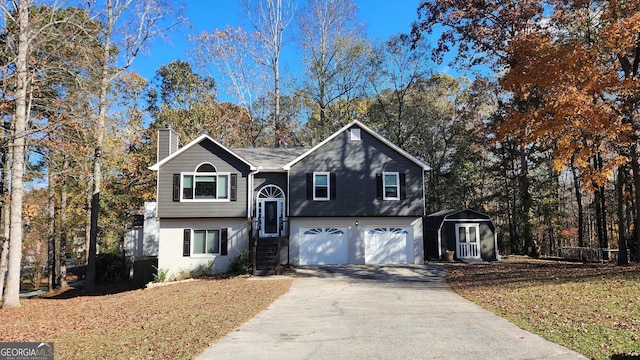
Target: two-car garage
<point>353,244</point>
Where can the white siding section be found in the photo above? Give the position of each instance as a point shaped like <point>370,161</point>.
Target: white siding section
<point>171,238</point>
<point>143,241</point>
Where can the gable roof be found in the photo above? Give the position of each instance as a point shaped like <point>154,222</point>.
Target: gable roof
<point>273,159</point>
<point>412,158</point>
<point>198,140</point>
<point>278,159</point>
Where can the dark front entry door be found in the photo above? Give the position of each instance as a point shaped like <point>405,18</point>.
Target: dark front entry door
<point>271,217</point>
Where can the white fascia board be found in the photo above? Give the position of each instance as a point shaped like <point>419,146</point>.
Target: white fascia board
<point>424,166</point>
<point>199,139</point>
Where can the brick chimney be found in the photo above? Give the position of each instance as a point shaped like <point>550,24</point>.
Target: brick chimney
<point>167,142</point>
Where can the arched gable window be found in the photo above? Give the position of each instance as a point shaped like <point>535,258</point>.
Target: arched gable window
<point>206,184</point>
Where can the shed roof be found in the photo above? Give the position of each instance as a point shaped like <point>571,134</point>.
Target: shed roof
<point>434,221</point>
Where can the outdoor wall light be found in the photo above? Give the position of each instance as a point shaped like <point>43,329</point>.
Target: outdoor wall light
<point>356,222</point>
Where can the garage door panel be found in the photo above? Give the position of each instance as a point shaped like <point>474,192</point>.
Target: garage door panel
<point>388,245</point>
<point>320,246</point>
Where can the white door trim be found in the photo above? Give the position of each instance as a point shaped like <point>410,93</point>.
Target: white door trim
<point>468,249</point>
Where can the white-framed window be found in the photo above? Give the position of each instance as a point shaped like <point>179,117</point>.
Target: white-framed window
<point>321,186</point>
<point>205,184</point>
<point>355,134</point>
<point>205,242</point>
<point>391,186</point>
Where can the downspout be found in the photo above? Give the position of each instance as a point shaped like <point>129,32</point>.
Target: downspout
<point>439,244</point>
<point>495,237</point>
<point>250,218</point>
<point>250,192</point>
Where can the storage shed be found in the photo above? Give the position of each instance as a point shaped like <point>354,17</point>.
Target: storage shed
<point>468,233</point>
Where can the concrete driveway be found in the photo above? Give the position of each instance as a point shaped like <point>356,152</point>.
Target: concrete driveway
<point>379,312</point>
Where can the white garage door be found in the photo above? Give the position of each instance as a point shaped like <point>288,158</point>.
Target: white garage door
<point>323,246</point>
<point>388,245</point>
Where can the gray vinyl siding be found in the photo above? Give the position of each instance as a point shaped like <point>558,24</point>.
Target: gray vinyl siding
<point>167,143</point>
<point>355,163</point>
<point>205,151</point>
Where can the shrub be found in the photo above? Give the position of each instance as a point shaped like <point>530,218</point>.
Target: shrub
<point>111,268</point>
<point>160,275</point>
<point>241,264</point>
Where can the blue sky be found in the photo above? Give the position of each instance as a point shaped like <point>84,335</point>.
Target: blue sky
<point>383,18</point>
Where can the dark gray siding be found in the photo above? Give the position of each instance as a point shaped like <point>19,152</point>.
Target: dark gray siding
<point>431,244</point>
<point>205,151</point>
<point>487,239</point>
<point>356,163</point>
<point>262,179</point>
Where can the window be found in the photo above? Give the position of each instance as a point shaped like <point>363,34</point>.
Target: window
<point>355,134</point>
<point>321,186</point>
<point>205,242</point>
<point>391,186</point>
<point>467,233</point>
<point>205,184</point>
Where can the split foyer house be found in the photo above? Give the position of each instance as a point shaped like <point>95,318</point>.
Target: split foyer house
<point>355,198</point>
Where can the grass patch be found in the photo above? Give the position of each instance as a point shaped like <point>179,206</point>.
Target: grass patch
<point>176,321</point>
<point>593,309</point>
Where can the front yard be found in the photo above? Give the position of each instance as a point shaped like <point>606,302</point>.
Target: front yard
<point>177,321</point>
<point>593,309</point>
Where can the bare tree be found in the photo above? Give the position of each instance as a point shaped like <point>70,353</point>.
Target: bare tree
<point>129,26</point>
<point>270,18</point>
<point>21,13</point>
<point>337,57</point>
<point>227,52</point>
<point>248,60</point>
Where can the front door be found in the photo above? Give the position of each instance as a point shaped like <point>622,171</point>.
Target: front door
<point>270,217</point>
<point>270,210</point>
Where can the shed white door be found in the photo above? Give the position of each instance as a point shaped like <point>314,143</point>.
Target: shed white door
<point>467,239</point>
<point>388,245</point>
<point>323,246</point>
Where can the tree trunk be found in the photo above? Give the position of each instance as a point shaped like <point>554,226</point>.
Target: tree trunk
<point>635,167</point>
<point>6,217</point>
<point>12,296</point>
<point>62,272</point>
<point>622,239</point>
<point>279,133</point>
<point>578,192</point>
<point>90,280</point>
<point>525,197</point>
<point>51,236</point>
<point>604,243</point>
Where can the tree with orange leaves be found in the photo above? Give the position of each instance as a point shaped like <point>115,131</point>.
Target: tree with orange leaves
<point>569,69</point>
<point>481,32</point>
<point>581,72</point>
